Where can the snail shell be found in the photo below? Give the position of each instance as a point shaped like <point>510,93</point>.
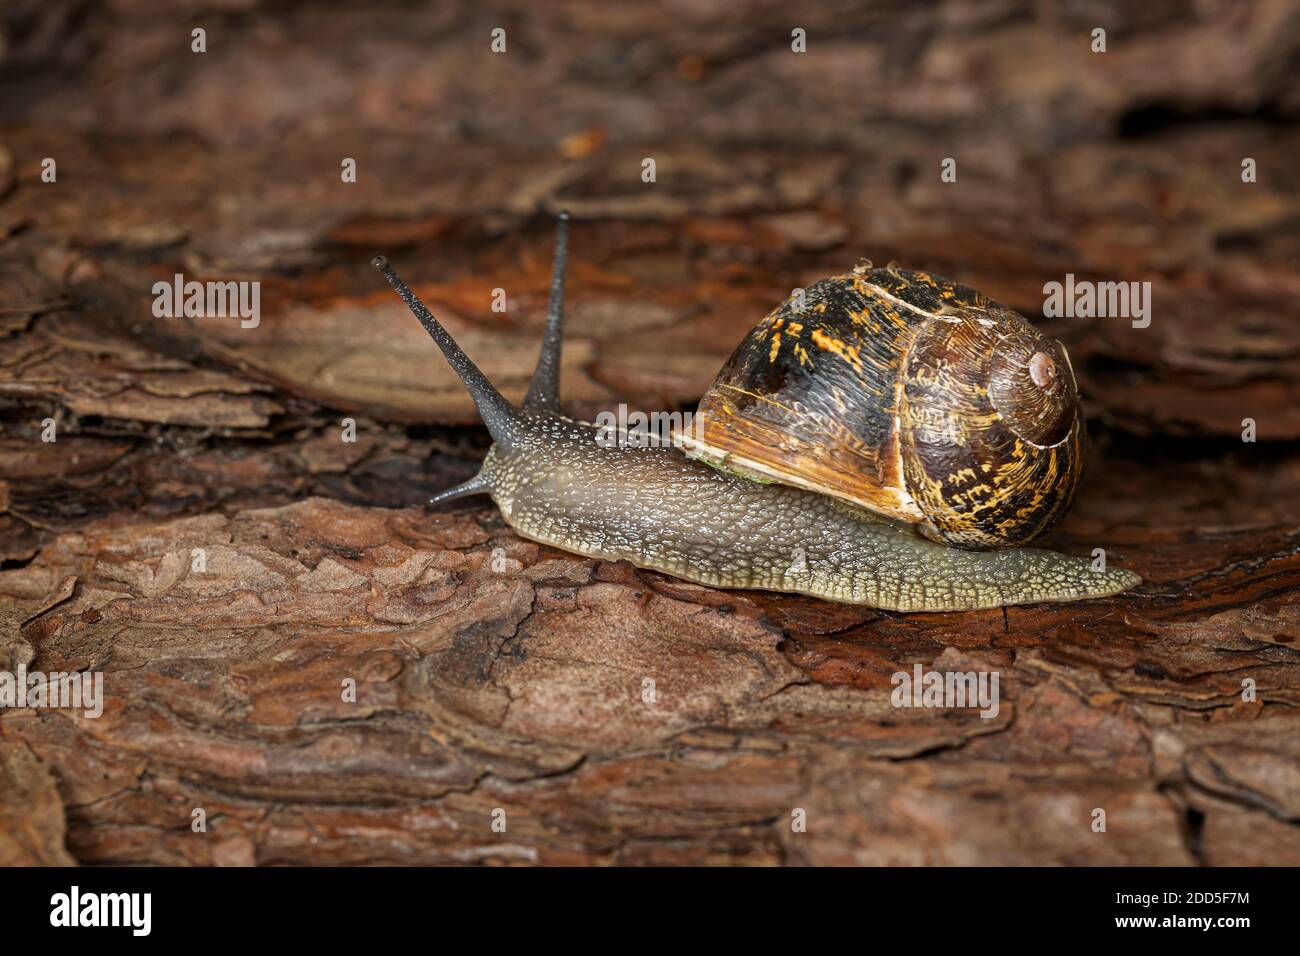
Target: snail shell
<point>907,394</point>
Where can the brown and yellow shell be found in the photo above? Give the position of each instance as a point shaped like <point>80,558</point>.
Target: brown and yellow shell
<point>907,394</point>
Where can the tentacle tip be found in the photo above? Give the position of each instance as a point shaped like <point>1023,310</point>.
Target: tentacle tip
<point>380,263</point>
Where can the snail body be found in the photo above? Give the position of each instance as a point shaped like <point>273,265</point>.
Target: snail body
<point>707,519</point>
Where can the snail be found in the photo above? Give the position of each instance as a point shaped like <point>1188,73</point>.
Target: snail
<point>893,440</point>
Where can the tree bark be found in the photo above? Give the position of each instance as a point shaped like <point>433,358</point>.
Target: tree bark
<point>303,666</point>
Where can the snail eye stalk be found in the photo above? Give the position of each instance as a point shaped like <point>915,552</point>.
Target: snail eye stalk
<point>544,390</point>
<point>500,417</point>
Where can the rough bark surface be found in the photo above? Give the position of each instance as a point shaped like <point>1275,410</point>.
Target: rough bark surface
<point>493,676</point>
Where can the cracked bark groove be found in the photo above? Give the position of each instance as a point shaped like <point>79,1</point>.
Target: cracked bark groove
<point>494,673</point>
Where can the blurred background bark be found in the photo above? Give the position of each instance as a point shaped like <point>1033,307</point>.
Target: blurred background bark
<point>523,690</point>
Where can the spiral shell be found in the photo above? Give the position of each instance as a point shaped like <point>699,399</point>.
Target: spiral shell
<point>906,394</point>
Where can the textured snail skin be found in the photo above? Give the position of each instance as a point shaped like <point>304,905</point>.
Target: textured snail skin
<point>556,484</point>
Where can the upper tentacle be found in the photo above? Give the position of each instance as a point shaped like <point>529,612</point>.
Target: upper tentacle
<point>544,390</point>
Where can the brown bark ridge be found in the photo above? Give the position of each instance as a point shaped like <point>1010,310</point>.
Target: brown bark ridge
<point>302,666</point>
